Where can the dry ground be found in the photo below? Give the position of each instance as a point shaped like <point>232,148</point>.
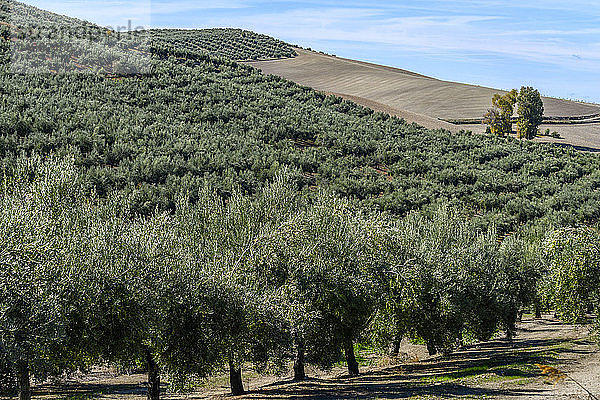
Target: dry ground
<point>417,98</point>
<point>584,137</point>
<point>497,369</point>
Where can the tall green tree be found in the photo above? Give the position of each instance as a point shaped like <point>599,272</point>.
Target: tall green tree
<point>499,117</point>
<point>530,109</point>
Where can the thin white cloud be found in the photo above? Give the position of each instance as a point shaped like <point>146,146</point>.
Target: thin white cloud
<point>440,27</point>
<point>167,7</point>
<point>475,34</point>
<point>553,32</point>
<point>141,12</point>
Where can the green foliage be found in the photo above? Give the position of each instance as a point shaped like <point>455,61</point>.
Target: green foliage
<point>233,44</point>
<point>530,109</point>
<point>531,112</point>
<point>233,309</point>
<point>38,210</point>
<point>452,283</point>
<point>37,41</point>
<point>253,280</point>
<point>172,233</point>
<point>82,282</point>
<point>326,276</point>
<point>573,281</point>
<point>198,119</point>
<point>499,117</point>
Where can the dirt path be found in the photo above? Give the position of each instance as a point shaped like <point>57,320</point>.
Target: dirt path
<point>497,369</point>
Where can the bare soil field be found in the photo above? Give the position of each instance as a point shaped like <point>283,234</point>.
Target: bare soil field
<point>421,99</point>
<point>583,137</point>
<point>498,369</point>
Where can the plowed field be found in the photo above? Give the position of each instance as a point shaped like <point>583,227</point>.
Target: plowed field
<point>421,99</point>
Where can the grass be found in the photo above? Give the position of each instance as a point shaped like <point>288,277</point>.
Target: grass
<point>82,396</point>
<point>516,367</point>
<point>454,376</point>
<point>521,374</point>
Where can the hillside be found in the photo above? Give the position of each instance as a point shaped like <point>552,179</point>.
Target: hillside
<point>234,44</point>
<point>198,119</point>
<point>419,98</point>
<point>166,209</point>
<point>44,42</point>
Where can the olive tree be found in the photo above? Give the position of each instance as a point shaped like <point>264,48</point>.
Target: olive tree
<point>572,258</point>
<point>38,203</point>
<point>125,277</point>
<point>79,277</point>
<point>451,283</point>
<point>223,292</point>
<point>329,286</point>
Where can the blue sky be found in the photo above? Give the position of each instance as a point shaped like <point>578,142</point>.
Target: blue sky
<point>550,44</point>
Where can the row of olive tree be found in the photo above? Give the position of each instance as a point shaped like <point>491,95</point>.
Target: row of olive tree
<point>251,281</point>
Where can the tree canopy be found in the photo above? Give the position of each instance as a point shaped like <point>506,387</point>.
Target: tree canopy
<point>499,117</point>
<point>531,112</point>
<point>248,282</point>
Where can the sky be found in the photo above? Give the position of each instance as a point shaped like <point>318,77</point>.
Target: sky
<point>553,45</point>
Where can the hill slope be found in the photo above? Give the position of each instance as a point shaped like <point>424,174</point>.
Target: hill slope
<point>235,44</point>
<point>44,42</point>
<point>197,120</point>
<point>407,93</point>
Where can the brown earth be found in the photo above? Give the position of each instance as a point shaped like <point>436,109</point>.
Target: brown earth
<point>421,99</point>
<point>498,369</point>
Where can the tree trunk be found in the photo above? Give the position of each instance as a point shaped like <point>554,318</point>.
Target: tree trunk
<point>299,373</point>
<point>509,334</point>
<point>153,377</point>
<point>23,382</point>
<point>235,380</point>
<point>538,311</point>
<point>350,358</point>
<point>431,349</point>
<point>396,345</point>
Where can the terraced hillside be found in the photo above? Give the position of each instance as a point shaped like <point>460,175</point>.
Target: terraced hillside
<point>199,119</point>
<point>45,42</point>
<point>235,44</point>
<point>422,99</point>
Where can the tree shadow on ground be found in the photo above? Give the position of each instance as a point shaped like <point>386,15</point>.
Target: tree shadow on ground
<point>578,148</point>
<point>458,375</point>
<point>86,390</point>
<point>379,388</point>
